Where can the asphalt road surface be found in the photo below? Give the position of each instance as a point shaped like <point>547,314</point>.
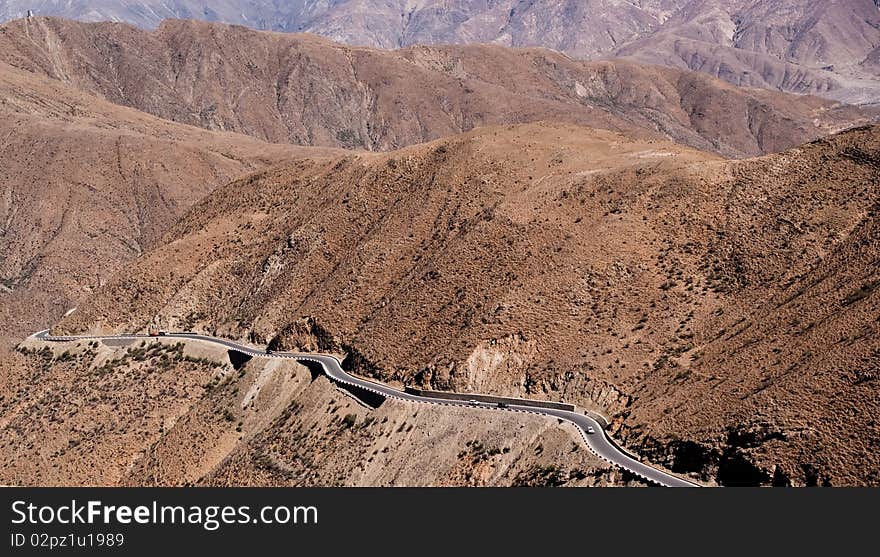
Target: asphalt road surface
<point>598,441</point>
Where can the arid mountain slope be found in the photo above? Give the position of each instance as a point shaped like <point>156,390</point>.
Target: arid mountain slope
<point>172,414</point>
<point>86,185</point>
<point>795,380</point>
<point>814,46</point>
<point>579,27</point>
<point>567,263</point>
<point>309,91</point>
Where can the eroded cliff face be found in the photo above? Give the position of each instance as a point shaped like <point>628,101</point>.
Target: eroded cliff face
<point>495,362</point>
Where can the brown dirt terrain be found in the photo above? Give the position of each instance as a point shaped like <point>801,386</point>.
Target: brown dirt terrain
<point>716,310</point>
<point>795,379</point>
<point>86,412</point>
<point>801,46</point>
<point>723,313</point>
<point>166,413</point>
<point>306,90</point>
<point>812,46</point>
<point>86,185</point>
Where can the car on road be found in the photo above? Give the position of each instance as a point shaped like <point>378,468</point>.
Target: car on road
<point>590,429</point>
<point>502,405</point>
<point>472,401</point>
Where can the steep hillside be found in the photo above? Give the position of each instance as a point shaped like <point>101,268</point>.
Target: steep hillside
<point>147,414</point>
<point>786,394</point>
<point>566,263</point>
<point>814,47</point>
<point>86,185</point>
<point>581,28</point>
<point>801,46</point>
<point>309,91</point>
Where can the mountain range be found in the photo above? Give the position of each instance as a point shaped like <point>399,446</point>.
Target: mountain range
<point>301,89</point>
<point>695,260</point>
<point>822,47</point>
<point>715,309</point>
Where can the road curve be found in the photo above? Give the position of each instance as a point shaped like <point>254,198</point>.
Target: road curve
<point>598,442</point>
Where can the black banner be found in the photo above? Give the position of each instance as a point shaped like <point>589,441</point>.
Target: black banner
<point>104,521</point>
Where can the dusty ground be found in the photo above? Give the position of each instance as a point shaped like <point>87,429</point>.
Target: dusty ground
<point>86,185</point>
<point>167,413</point>
<point>84,414</point>
<point>566,263</point>
<point>723,313</point>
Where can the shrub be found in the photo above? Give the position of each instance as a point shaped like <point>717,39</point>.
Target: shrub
<point>349,420</point>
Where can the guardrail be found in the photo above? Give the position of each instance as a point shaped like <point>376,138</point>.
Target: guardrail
<point>603,421</point>
<point>490,399</point>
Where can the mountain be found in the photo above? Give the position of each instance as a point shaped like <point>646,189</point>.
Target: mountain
<point>309,91</point>
<point>723,313</point>
<point>801,46</point>
<point>86,185</point>
<point>697,261</point>
<point>182,414</point>
<point>582,28</point>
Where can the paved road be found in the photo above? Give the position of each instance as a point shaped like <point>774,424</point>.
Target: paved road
<point>598,442</point>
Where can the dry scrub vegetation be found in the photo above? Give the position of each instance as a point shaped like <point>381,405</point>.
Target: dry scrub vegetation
<point>717,310</point>
<point>169,413</point>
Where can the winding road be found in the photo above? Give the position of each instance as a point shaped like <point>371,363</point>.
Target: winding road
<point>598,441</point>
